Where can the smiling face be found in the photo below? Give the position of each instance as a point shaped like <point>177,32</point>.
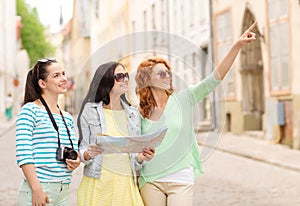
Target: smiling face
<point>161,77</point>
<point>121,81</point>
<point>56,81</point>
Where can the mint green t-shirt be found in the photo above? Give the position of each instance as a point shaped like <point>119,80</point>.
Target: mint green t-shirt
<point>179,148</point>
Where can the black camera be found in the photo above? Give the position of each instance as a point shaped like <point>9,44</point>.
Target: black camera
<point>64,153</point>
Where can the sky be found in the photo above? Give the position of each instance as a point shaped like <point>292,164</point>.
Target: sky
<point>49,11</point>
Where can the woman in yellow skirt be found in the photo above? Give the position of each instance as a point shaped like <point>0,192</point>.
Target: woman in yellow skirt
<point>109,179</point>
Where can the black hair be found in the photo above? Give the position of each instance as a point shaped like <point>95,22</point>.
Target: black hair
<point>106,83</point>
<point>32,88</point>
<point>101,84</point>
<point>100,87</point>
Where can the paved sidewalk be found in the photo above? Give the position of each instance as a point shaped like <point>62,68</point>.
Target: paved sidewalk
<point>6,125</point>
<point>253,148</point>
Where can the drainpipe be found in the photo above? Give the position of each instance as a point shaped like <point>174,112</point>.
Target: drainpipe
<point>211,55</point>
<point>168,28</point>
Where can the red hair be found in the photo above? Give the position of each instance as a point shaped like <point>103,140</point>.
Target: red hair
<point>143,91</point>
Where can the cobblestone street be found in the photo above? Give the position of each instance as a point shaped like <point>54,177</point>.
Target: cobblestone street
<point>10,175</point>
<point>231,180</point>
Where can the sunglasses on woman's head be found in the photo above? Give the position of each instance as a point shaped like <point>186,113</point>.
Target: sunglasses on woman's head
<point>120,77</point>
<point>47,60</point>
<point>163,74</point>
<point>43,61</point>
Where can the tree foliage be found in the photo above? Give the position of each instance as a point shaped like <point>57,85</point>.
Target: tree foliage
<point>33,33</point>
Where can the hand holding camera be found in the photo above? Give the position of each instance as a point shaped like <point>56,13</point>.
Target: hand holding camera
<point>63,153</point>
<point>69,156</point>
<point>73,164</point>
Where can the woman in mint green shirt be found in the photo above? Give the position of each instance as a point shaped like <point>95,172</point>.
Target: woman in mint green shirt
<point>168,178</point>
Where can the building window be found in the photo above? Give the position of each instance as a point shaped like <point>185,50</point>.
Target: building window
<point>194,60</point>
<point>133,26</point>
<point>223,44</point>
<point>153,17</point>
<point>145,29</point>
<point>163,15</point>
<point>192,13</point>
<point>182,17</point>
<point>175,17</point>
<point>133,39</point>
<point>96,5</point>
<point>145,20</point>
<point>279,44</point>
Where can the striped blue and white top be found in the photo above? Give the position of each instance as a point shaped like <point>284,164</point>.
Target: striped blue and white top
<point>36,142</point>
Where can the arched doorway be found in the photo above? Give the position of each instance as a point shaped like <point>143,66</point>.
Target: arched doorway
<point>252,79</point>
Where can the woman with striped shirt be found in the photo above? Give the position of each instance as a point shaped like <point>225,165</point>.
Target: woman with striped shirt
<point>45,139</point>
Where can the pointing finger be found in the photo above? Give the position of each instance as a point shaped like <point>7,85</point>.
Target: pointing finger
<point>252,26</point>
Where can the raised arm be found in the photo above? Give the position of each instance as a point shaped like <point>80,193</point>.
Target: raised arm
<point>226,63</point>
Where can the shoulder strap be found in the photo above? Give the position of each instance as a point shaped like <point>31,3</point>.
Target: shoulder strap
<point>54,123</point>
<point>49,113</point>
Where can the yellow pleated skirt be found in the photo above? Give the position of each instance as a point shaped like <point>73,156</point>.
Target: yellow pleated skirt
<point>115,187</point>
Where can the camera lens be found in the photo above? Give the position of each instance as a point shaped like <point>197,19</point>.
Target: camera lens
<point>72,155</point>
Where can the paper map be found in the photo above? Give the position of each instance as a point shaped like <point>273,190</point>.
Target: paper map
<point>130,144</point>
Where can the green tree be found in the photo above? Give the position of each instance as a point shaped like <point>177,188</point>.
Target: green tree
<point>33,33</point>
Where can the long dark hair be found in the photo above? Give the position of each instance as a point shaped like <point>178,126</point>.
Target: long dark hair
<point>100,87</point>
<point>32,89</point>
<point>101,84</point>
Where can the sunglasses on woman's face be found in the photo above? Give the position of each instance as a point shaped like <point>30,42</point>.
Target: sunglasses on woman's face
<point>120,77</point>
<point>163,74</point>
